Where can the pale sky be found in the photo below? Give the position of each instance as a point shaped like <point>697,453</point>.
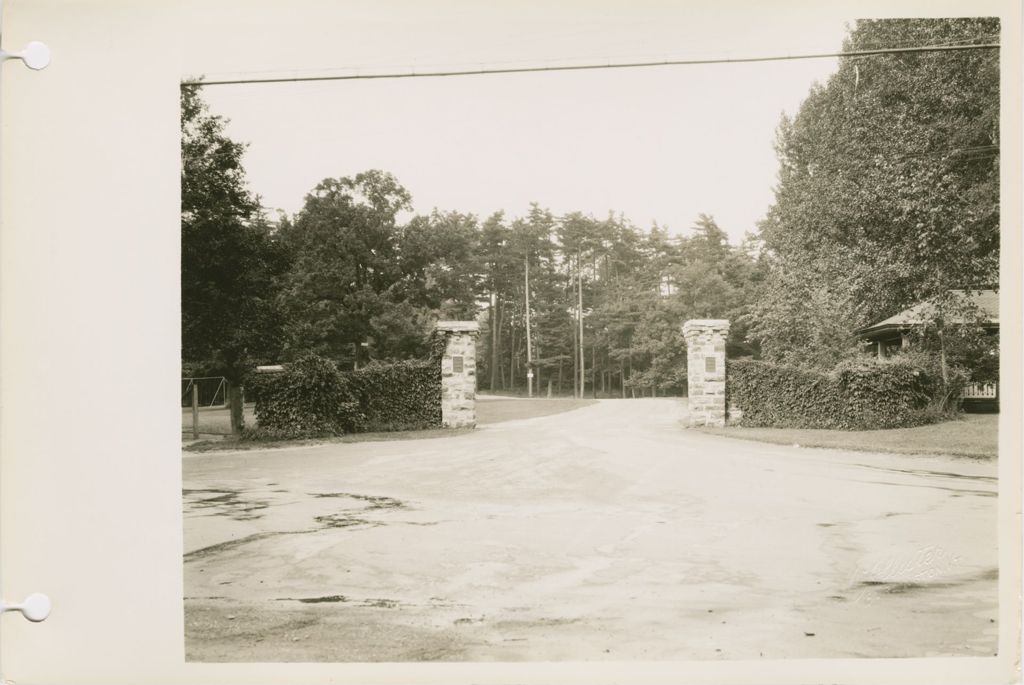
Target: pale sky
<point>656,144</point>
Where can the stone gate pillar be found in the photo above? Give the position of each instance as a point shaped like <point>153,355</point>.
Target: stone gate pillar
<point>705,370</point>
<point>458,373</point>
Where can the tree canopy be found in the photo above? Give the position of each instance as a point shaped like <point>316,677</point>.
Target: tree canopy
<point>230,262</point>
<point>887,195</point>
<point>888,188</point>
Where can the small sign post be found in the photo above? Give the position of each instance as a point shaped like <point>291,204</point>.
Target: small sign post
<point>195,410</point>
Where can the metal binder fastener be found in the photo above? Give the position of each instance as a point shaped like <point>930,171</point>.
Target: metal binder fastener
<point>35,55</point>
<point>36,607</point>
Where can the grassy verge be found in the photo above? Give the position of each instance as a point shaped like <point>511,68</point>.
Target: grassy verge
<point>232,443</point>
<point>972,435</point>
<point>487,412</point>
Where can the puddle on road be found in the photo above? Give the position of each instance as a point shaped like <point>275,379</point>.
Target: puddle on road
<point>926,472</point>
<point>902,587</point>
<point>326,599</point>
<point>465,621</point>
<point>957,492</point>
<point>542,622</point>
<point>204,552</point>
<point>371,602</point>
<point>224,502</point>
<point>345,520</point>
<point>233,504</point>
<point>354,516</point>
<point>321,600</point>
<point>381,603</point>
<point>375,501</point>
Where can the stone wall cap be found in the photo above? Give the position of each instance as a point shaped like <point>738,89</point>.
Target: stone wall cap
<point>702,324</point>
<point>458,326</point>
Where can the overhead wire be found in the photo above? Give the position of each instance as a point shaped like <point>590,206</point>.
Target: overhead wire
<point>202,83</point>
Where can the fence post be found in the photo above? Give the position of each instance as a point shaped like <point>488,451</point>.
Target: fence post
<point>195,410</point>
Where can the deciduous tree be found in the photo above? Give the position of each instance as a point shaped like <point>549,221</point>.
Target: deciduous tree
<point>888,187</point>
<point>230,261</point>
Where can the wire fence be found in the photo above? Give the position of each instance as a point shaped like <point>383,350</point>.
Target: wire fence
<point>204,407</point>
<point>213,391</point>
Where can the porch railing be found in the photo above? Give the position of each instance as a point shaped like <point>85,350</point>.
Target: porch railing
<point>981,391</point>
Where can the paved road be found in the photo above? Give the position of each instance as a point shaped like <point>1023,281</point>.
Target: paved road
<point>608,532</point>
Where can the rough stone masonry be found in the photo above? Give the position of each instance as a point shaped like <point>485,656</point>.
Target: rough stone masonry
<point>458,373</point>
<point>705,370</point>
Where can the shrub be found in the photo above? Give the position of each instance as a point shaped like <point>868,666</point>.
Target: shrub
<point>257,384</point>
<point>310,398</point>
<point>403,395</point>
<point>946,398</point>
<point>884,393</point>
<point>859,394</point>
<point>783,396</point>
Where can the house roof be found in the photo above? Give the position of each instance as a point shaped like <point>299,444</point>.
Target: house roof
<point>987,302</point>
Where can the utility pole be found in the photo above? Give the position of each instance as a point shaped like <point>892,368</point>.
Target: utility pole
<point>575,339</point>
<point>495,324</point>
<point>579,313</point>
<point>529,351</point>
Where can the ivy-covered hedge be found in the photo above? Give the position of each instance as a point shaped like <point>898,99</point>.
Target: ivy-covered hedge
<point>400,396</point>
<point>313,398</point>
<point>310,398</point>
<point>863,394</point>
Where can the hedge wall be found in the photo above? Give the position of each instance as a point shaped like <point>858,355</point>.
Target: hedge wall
<point>400,396</point>
<point>312,398</point>
<point>858,395</point>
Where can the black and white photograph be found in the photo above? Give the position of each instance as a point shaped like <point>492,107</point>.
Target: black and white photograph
<point>638,334</point>
<point>515,342</point>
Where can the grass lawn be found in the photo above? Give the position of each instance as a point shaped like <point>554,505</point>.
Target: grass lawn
<point>214,420</point>
<point>217,421</point>
<point>542,393</point>
<point>972,435</point>
<point>496,411</point>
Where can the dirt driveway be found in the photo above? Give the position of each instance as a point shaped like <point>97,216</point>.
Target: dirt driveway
<point>608,532</point>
